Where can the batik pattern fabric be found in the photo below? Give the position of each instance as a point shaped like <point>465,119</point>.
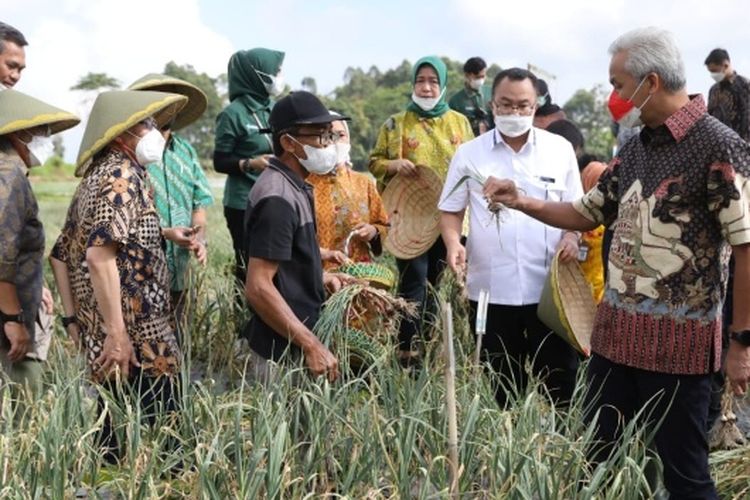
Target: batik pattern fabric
<point>678,196</point>
<point>179,188</point>
<point>431,142</point>
<point>21,234</point>
<point>113,205</point>
<point>729,102</point>
<point>344,199</point>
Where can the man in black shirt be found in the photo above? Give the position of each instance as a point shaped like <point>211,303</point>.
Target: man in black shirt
<point>729,97</point>
<point>285,283</point>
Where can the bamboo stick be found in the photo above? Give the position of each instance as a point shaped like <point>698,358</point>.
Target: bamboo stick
<point>450,398</point>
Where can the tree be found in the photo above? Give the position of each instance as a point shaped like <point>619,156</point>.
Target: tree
<point>96,81</point>
<point>588,110</point>
<point>200,133</point>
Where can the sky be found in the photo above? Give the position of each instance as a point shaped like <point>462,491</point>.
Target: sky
<point>321,38</point>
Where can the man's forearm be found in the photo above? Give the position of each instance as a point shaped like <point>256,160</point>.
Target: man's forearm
<point>60,270</point>
<point>451,224</point>
<point>199,219</point>
<point>9,303</point>
<point>105,280</point>
<point>557,214</point>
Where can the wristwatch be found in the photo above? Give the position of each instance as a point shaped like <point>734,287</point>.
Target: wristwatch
<point>68,320</point>
<point>12,318</point>
<point>742,337</point>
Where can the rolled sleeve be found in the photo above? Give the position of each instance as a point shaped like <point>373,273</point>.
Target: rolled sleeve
<point>729,198</point>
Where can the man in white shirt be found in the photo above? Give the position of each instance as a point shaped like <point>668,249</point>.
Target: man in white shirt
<point>511,259</point>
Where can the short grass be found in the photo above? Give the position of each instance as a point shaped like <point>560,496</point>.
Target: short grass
<point>381,434</point>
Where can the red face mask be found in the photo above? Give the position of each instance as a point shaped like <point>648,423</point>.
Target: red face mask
<point>618,106</point>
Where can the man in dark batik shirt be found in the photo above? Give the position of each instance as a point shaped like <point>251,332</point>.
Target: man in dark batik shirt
<point>728,101</point>
<point>677,195</point>
<point>729,97</point>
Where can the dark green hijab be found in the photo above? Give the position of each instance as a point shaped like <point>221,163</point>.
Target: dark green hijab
<point>243,80</point>
<point>442,72</point>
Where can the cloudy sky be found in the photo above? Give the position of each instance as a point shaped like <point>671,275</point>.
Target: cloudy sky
<point>321,38</point>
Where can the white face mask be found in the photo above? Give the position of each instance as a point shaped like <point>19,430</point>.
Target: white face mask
<point>476,83</point>
<point>541,100</point>
<point>633,117</point>
<point>342,152</point>
<point>513,125</point>
<point>275,86</point>
<point>718,76</point>
<point>319,160</point>
<point>150,148</point>
<point>426,103</point>
<point>40,149</point>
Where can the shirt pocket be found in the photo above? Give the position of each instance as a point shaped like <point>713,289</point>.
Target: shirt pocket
<point>545,189</point>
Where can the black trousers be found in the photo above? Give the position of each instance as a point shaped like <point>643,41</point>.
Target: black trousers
<point>515,336</point>
<point>414,275</point>
<point>236,225</point>
<point>156,397</point>
<point>618,392</point>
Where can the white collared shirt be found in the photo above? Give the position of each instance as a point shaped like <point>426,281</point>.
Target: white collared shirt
<point>511,263</point>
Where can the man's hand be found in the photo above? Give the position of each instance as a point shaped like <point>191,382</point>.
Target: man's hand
<point>181,236</point>
<point>200,252</point>
<point>336,281</point>
<point>501,191</point>
<point>335,256</point>
<point>48,303</point>
<point>403,167</point>
<point>568,247</point>
<point>75,334</point>
<point>20,340</point>
<point>737,366</point>
<point>320,361</point>
<point>364,232</point>
<point>456,257</point>
<point>259,163</point>
<point>117,354</point>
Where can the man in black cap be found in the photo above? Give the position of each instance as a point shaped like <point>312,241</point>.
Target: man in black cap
<point>546,112</point>
<point>285,283</point>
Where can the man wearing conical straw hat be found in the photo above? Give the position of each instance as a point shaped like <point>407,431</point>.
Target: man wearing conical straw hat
<point>108,261</point>
<point>181,191</point>
<point>26,125</point>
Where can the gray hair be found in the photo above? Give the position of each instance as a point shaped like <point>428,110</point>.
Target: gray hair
<point>10,34</point>
<point>652,50</point>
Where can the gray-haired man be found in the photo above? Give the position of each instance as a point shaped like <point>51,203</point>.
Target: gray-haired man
<point>678,195</point>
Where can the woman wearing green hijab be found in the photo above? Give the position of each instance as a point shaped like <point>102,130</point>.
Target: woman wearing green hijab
<point>426,135</point>
<point>241,151</point>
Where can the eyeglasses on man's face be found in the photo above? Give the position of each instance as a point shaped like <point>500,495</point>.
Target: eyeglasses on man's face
<point>507,108</point>
<point>325,138</point>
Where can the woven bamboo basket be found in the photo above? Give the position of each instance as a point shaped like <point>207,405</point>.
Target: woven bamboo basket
<point>376,275</point>
<point>567,305</point>
<point>411,203</point>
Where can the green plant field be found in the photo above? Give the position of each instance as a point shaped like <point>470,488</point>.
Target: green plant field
<point>381,434</point>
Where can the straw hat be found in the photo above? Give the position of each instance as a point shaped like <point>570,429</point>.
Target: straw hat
<point>116,111</point>
<point>21,112</point>
<point>413,214</point>
<point>197,100</point>
<point>567,305</point>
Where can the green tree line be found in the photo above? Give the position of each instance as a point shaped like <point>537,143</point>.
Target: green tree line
<point>369,97</point>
